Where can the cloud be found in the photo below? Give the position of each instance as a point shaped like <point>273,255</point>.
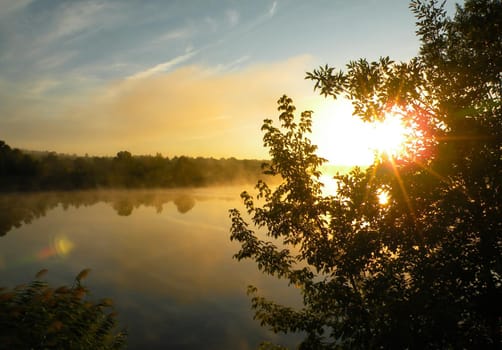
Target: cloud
<point>40,87</point>
<point>41,41</point>
<point>191,110</point>
<point>233,65</point>
<point>55,60</point>
<point>175,34</point>
<point>232,17</point>
<point>163,67</point>
<point>9,7</point>
<point>272,9</point>
<point>76,17</point>
<point>198,111</point>
<point>211,23</point>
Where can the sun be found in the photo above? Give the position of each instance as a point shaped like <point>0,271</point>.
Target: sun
<point>383,197</point>
<point>345,140</point>
<point>390,136</point>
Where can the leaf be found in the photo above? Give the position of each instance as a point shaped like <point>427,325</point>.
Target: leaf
<point>41,273</point>
<point>83,274</point>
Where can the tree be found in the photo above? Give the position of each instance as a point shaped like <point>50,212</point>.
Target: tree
<point>423,271</point>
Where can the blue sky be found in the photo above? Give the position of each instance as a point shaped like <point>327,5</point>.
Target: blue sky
<point>176,77</point>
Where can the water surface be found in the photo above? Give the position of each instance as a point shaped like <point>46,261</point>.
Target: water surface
<point>164,257</point>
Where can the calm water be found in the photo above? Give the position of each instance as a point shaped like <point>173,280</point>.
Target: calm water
<point>164,257</point>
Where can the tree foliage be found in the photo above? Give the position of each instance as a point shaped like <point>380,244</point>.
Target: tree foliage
<point>22,171</point>
<point>37,316</point>
<point>423,271</point>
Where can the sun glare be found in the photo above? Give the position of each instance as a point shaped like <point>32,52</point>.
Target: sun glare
<point>383,197</point>
<point>345,140</point>
<point>389,136</point>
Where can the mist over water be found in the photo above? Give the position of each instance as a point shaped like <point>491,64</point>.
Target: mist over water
<point>164,257</point>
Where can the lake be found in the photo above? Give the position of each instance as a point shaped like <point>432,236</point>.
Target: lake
<point>163,256</point>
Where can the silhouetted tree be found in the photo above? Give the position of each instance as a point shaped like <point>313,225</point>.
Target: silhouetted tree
<point>21,171</point>
<point>423,271</point>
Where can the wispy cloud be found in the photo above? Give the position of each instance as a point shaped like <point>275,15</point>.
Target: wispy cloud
<point>55,60</point>
<point>8,7</point>
<point>211,22</point>
<point>272,9</point>
<point>231,66</point>
<point>174,34</point>
<point>162,67</point>
<point>77,17</point>
<point>232,17</point>
<point>44,40</point>
<point>38,88</point>
<point>191,110</point>
<point>194,110</point>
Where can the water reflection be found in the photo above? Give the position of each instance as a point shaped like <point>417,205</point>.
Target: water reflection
<point>184,203</point>
<point>61,246</point>
<point>163,256</point>
<point>17,209</point>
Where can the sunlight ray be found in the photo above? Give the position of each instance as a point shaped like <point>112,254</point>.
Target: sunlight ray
<point>403,190</point>
<point>370,185</point>
<point>433,172</point>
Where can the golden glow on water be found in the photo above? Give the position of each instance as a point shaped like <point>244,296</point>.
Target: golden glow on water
<point>160,266</point>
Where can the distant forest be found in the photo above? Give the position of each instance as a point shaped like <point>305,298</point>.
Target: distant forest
<point>32,171</point>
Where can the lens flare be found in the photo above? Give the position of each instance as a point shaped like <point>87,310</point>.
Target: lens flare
<point>61,246</point>
<point>405,136</point>
<point>400,133</point>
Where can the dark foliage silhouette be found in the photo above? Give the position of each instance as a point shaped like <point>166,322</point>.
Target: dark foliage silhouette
<point>21,171</point>
<point>423,271</point>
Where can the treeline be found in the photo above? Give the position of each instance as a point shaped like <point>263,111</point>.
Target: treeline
<point>23,171</point>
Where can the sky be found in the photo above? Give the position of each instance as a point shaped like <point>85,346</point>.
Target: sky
<point>188,77</point>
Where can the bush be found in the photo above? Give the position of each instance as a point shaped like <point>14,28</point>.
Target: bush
<point>37,316</point>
